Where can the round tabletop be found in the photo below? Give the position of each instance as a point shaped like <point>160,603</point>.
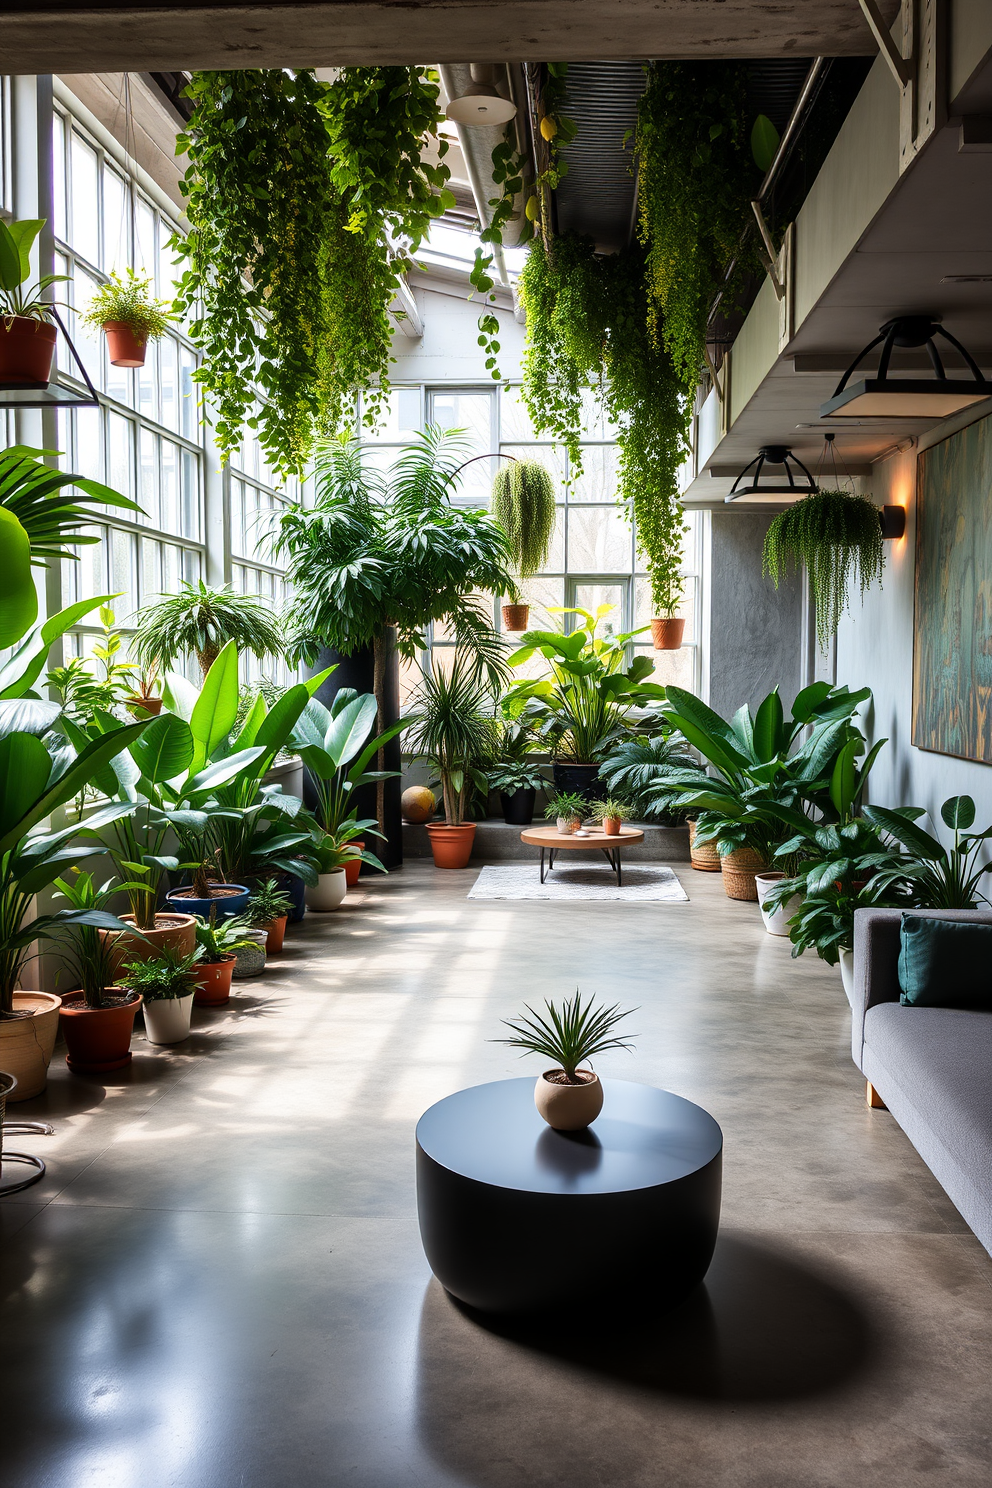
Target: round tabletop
<point>493,1134</point>
<point>551,837</point>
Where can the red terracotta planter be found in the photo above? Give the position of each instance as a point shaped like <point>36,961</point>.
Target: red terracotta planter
<point>143,707</point>
<point>515,617</point>
<point>666,634</point>
<point>275,931</point>
<point>27,350</point>
<point>212,980</point>
<point>177,931</point>
<point>611,826</point>
<point>353,868</point>
<point>451,846</point>
<point>125,347</point>
<point>98,1040</point>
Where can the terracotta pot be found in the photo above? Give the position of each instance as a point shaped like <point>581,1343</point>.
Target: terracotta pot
<point>666,634</point>
<point>125,346</point>
<point>515,616</point>
<point>250,961</point>
<point>740,869</point>
<point>27,350</point>
<point>329,891</point>
<point>451,846</point>
<point>569,1107</point>
<point>213,982</point>
<point>178,931</point>
<point>275,931</point>
<point>167,1019</point>
<point>705,857</point>
<point>611,826</point>
<point>98,1040</point>
<point>143,707</point>
<point>26,1044</point>
<point>354,868</point>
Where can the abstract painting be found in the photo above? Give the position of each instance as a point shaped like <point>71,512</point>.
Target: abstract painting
<point>952,660</point>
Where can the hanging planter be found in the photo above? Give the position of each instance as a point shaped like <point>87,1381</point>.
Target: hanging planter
<point>839,538</point>
<point>666,633</point>
<point>524,506</point>
<point>27,340</point>
<point>129,317</point>
<point>515,616</point>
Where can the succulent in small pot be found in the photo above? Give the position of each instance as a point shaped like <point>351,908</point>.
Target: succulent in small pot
<point>568,1098</point>
<point>166,984</point>
<point>27,339</point>
<point>219,942</point>
<point>268,909</point>
<point>129,316</point>
<point>98,1019</point>
<point>611,813</point>
<point>568,810</point>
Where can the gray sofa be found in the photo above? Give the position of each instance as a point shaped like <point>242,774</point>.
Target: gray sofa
<point>932,1067</point>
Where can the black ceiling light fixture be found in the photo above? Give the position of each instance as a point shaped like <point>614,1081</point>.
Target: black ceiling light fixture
<point>883,396</point>
<point>756,489</point>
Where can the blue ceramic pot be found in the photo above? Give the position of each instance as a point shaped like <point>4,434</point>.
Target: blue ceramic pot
<point>226,904</point>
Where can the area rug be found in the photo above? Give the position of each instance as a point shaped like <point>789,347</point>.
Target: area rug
<point>646,883</point>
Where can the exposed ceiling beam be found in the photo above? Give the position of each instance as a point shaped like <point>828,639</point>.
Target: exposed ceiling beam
<point>145,36</point>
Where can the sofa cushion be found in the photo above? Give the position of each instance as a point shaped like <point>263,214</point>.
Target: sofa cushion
<point>945,964</point>
<point>941,1060</point>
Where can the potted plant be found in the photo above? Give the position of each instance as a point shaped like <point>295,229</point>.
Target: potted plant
<point>129,315</point>
<point>567,1097</point>
<point>201,620</point>
<point>27,337</point>
<point>329,891</point>
<point>612,814</point>
<point>452,729</point>
<point>249,958</point>
<point>98,1016</point>
<point>268,909</point>
<point>143,701</point>
<point>518,784</point>
<point>568,810</point>
<point>166,986</point>
<point>206,891</point>
<point>775,916</point>
<point>219,942</point>
<point>839,538</point>
<point>523,503</point>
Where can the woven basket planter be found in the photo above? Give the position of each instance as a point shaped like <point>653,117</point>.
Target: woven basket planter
<point>739,871</point>
<point>704,857</point>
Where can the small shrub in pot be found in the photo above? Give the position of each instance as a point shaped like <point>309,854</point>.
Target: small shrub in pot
<point>568,810</point>
<point>611,813</point>
<point>568,1098</point>
<point>166,985</point>
<point>220,942</point>
<point>268,909</point>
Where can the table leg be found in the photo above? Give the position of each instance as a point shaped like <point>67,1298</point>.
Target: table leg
<point>542,865</point>
<point>613,858</point>
<point>551,863</point>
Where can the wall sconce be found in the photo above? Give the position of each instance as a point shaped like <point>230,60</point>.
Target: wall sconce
<point>893,520</point>
<point>908,397</point>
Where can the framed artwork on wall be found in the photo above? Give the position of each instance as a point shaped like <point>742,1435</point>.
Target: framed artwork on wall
<point>952,653</point>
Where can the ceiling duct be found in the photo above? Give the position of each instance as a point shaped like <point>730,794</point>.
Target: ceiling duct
<point>598,196</point>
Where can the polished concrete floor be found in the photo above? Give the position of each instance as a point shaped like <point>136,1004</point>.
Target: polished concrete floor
<point>219,1284</point>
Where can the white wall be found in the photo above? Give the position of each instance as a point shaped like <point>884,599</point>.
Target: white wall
<point>448,352</point>
<point>875,648</point>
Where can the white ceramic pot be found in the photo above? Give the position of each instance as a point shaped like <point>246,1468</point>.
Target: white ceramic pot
<point>26,1044</point>
<point>329,892</point>
<point>250,960</point>
<point>847,974</point>
<point>569,1107</point>
<point>167,1019</point>
<point>776,921</point>
<point>568,825</point>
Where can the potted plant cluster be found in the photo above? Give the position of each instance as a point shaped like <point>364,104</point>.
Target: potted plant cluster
<point>568,810</point>
<point>127,312</point>
<point>568,1098</point>
<point>27,336</point>
<point>165,987</point>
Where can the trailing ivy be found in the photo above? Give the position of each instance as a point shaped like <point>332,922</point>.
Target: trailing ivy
<point>587,328</point>
<point>303,199</point>
<point>696,174</point>
<point>839,538</point>
<point>508,169</point>
<point>524,506</point>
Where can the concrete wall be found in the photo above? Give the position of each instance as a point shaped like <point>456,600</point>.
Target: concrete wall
<point>875,648</point>
<point>755,631</point>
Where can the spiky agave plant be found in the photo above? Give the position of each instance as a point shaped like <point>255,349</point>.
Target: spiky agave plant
<point>839,538</point>
<point>569,1034</point>
<point>524,506</point>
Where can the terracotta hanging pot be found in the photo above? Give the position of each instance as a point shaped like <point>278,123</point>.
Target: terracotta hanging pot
<point>126,347</point>
<point>213,982</point>
<point>451,846</point>
<point>98,1040</point>
<point>27,350</point>
<point>516,616</point>
<point>143,707</point>
<point>666,634</point>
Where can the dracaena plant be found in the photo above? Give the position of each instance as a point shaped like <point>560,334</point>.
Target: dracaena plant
<point>452,729</point>
<point>87,952</point>
<point>569,1034</point>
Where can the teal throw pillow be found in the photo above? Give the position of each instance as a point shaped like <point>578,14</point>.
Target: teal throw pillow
<point>945,963</point>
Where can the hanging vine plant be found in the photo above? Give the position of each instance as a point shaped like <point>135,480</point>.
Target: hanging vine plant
<point>839,538</point>
<point>696,174</point>
<point>302,199</point>
<point>587,328</point>
<point>524,506</point>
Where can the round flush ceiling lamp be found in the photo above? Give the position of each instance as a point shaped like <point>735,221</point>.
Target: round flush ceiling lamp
<point>755,484</point>
<point>882,396</point>
<point>481,103</point>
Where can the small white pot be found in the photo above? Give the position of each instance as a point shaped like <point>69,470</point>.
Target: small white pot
<point>847,973</point>
<point>167,1019</point>
<point>329,892</point>
<point>776,921</point>
<point>568,825</point>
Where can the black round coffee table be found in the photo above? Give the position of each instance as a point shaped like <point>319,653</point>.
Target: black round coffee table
<point>516,1217</point>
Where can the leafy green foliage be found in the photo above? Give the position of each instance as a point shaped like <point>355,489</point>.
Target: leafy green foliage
<point>942,878</point>
<point>569,1034</point>
<point>839,538</point>
<point>337,745</point>
<point>695,180</point>
<point>588,328</point>
<point>86,685</point>
<point>513,776</point>
<point>507,168</point>
<point>641,769</point>
<point>267,903</point>
<point>452,728</point>
<point>610,810</point>
<point>168,976</point>
<point>129,299</point>
<point>201,620</point>
<point>87,954</point>
<point>524,506</point>
<point>31,491</point>
<point>16,242</point>
<point>568,804</point>
<point>218,939</point>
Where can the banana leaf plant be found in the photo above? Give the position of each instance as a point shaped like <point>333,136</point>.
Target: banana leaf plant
<point>583,707</point>
<point>337,746</point>
<point>36,782</point>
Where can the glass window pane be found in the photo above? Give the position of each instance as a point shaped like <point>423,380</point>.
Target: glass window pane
<point>93,575</point>
<point>115,221</point>
<point>88,340</point>
<point>514,420</point>
<point>599,540</point>
<point>471,413</point>
<point>148,403</point>
<point>672,668</point>
<point>120,448</point>
<point>590,597</point>
<point>85,200</point>
<point>598,480</point>
<point>60,219</point>
<point>148,497</point>
<point>400,417</point>
<point>171,568</point>
<point>169,486</point>
<point>551,456</point>
<point>595,424</point>
<point>151,578</point>
<point>86,443</point>
<point>123,578</point>
<point>146,258</point>
<point>188,416</point>
<point>189,495</point>
<point>169,375</point>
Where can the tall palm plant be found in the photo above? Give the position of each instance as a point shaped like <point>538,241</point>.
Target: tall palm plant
<point>454,727</point>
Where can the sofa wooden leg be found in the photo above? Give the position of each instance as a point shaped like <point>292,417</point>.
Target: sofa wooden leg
<point>873,1098</point>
